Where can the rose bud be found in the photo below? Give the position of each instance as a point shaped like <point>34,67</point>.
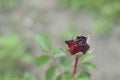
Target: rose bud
<point>78,45</point>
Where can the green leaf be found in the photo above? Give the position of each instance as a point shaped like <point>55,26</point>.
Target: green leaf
<point>44,42</point>
<point>89,65</point>
<point>59,77</point>
<point>43,60</point>
<point>84,76</point>
<point>65,76</point>
<point>29,77</point>
<point>50,73</point>
<point>86,57</point>
<point>66,64</point>
<point>58,53</point>
<point>68,76</point>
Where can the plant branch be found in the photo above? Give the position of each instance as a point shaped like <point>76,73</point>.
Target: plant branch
<point>75,67</point>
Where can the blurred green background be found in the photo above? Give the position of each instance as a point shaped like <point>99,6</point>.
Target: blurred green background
<point>22,20</point>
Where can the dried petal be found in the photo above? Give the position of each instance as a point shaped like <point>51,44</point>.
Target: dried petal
<point>78,45</point>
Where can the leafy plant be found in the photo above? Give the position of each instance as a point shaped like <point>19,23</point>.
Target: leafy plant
<point>13,57</point>
<point>59,66</point>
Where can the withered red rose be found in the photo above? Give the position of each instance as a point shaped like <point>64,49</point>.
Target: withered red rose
<point>78,45</point>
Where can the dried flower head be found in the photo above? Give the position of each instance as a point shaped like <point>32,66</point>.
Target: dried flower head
<point>78,45</point>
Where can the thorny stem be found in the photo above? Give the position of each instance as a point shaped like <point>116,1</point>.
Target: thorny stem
<point>75,67</point>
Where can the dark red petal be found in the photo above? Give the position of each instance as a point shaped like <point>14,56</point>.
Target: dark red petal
<point>83,48</point>
<point>72,48</point>
<point>78,45</point>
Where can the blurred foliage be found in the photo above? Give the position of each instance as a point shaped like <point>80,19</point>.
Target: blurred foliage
<point>42,60</point>
<point>44,41</point>
<point>9,77</point>
<point>58,53</point>
<point>70,32</point>
<point>103,26</point>
<point>66,64</point>
<point>86,57</point>
<point>29,77</point>
<point>51,73</point>
<point>8,4</point>
<point>89,65</point>
<point>13,57</point>
<point>59,66</point>
<point>84,76</point>
<point>108,10</point>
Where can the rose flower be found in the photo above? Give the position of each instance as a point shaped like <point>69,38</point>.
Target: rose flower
<point>78,45</point>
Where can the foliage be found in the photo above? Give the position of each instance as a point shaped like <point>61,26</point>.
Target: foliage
<point>8,4</point>
<point>59,66</point>
<point>13,57</point>
<point>42,60</point>
<point>84,75</point>
<point>106,12</point>
<point>44,42</point>
<point>50,73</point>
<point>29,77</point>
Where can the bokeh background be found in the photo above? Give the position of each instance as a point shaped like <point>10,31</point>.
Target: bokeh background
<point>22,20</point>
